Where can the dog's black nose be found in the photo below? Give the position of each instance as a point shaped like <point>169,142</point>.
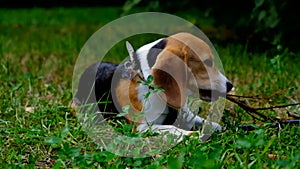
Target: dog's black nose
<point>229,86</point>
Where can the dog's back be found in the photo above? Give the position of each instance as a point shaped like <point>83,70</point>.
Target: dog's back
<point>94,87</point>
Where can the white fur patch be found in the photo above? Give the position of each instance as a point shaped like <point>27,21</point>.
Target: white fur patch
<point>221,84</point>
<point>142,53</point>
<point>154,108</point>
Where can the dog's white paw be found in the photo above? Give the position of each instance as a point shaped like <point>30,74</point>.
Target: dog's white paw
<point>216,126</point>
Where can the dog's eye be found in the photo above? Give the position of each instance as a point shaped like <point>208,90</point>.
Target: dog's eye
<point>208,62</point>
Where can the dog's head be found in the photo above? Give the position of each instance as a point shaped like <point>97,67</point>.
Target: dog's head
<point>186,63</point>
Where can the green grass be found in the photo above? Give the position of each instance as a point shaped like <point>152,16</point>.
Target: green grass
<point>38,50</point>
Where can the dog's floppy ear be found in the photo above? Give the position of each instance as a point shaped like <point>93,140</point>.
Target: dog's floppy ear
<point>169,73</point>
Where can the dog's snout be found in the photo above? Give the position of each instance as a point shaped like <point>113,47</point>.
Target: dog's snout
<point>229,86</point>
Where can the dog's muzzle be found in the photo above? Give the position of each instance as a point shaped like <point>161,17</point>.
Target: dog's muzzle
<point>213,95</point>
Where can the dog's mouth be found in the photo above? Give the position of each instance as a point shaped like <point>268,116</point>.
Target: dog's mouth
<point>210,95</point>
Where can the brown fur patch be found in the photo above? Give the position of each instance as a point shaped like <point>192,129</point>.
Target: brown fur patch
<point>127,94</point>
<point>169,73</point>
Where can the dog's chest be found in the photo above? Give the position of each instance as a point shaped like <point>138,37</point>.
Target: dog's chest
<point>154,108</point>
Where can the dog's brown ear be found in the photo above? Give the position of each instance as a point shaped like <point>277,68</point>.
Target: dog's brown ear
<point>169,73</point>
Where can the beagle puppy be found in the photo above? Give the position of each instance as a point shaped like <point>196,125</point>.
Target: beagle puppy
<point>180,66</point>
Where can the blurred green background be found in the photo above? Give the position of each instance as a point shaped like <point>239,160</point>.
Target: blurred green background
<point>262,24</point>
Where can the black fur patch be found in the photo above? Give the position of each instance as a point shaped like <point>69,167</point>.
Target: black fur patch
<point>171,116</point>
<point>94,86</point>
<point>154,52</point>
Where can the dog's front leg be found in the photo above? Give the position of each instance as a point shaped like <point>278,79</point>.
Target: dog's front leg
<point>187,120</point>
<point>165,129</point>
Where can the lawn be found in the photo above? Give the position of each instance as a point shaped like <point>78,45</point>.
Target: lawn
<point>38,51</point>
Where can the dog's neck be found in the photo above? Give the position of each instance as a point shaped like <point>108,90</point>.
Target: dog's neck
<point>147,55</point>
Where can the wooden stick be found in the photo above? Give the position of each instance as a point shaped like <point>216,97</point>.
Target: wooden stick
<point>248,109</point>
<point>251,110</point>
<point>278,106</point>
<point>257,96</point>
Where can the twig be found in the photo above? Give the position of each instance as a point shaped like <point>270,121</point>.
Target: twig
<point>279,106</point>
<point>249,109</point>
<point>257,96</point>
<point>248,97</point>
